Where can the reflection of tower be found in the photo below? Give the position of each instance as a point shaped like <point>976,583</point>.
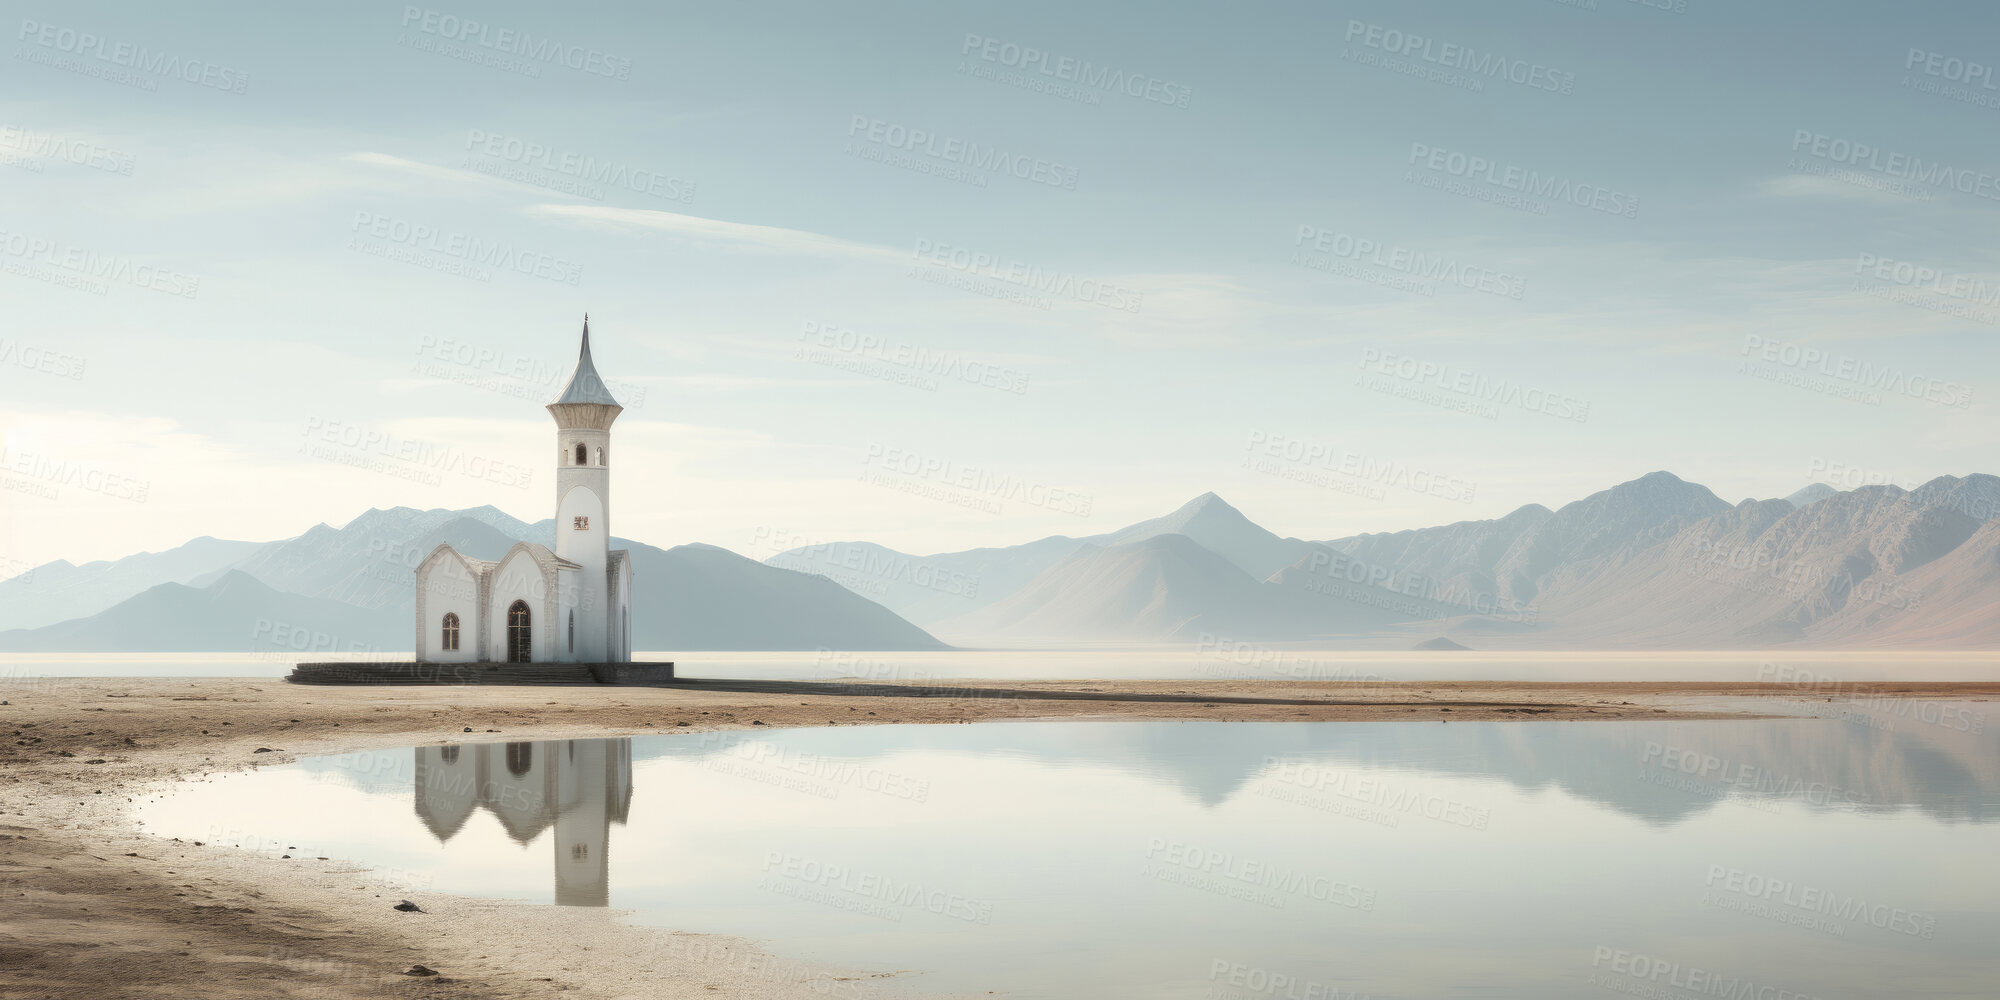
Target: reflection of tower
<point>596,788</point>
<point>577,786</point>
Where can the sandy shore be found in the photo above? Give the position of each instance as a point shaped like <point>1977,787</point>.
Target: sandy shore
<point>96,909</point>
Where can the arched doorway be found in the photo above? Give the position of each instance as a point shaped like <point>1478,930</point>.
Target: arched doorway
<point>519,634</point>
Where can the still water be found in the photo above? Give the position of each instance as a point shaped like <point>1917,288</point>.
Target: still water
<point>1851,853</point>
<point>1211,659</point>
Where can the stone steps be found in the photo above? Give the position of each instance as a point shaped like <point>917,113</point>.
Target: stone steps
<point>444,673</point>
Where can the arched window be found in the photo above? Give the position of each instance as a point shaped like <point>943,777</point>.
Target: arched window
<point>600,456</point>
<point>519,649</point>
<point>579,455</point>
<point>520,757</point>
<point>450,630</point>
<point>448,754</point>
<point>572,631</point>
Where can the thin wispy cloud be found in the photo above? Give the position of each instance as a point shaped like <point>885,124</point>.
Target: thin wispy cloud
<point>453,175</point>
<point>716,234</point>
<point>1861,189</point>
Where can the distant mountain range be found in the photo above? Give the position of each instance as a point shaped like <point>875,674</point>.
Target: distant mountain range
<point>352,590</point>
<point>59,590</point>
<point>1655,563</point>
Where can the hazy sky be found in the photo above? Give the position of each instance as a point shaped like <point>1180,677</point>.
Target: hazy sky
<point>947,275</point>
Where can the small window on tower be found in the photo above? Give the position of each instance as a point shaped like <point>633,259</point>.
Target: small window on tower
<point>579,455</point>
<point>580,523</point>
<point>600,456</point>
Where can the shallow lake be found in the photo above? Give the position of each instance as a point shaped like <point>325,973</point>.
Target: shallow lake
<point>1212,659</point>
<point>1851,853</point>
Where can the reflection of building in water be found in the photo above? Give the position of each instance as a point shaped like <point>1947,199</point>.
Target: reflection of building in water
<point>578,786</point>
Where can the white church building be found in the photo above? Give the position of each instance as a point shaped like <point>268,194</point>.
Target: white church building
<point>569,605</point>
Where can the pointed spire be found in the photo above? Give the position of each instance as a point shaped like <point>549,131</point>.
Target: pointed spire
<point>586,386</point>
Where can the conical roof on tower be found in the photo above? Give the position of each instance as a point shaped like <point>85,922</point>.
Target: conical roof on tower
<point>586,386</point>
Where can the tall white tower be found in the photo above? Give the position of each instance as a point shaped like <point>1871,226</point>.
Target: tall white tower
<point>583,415</point>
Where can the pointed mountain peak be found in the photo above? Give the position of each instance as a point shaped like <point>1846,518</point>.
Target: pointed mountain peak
<point>1206,506</point>
<point>1656,487</point>
<point>1813,493</point>
<point>1206,509</point>
<point>1531,512</point>
<point>494,517</point>
<point>1610,517</point>
<point>1206,501</point>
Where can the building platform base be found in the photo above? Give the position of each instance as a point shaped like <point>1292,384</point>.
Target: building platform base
<point>411,672</point>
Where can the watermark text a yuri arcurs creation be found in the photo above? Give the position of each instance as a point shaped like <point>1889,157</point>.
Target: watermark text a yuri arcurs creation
<point>1951,77</point>
<point>26,147</point>
<point>1459,388</point>
<point>1323,464</point>
<point>1390,266</point>
<point>113,60</point>
<point>39,474</point>
<point>504,48</point>
<point>900,362</point>
<point>1028,284</point>
<point>1067,77</point>
<point>975,487</point>
<point>1524,189</point>
<point>1845,376</point>
<point>1449,63</point>
<point>950,156</point>
<point>511,157</point>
